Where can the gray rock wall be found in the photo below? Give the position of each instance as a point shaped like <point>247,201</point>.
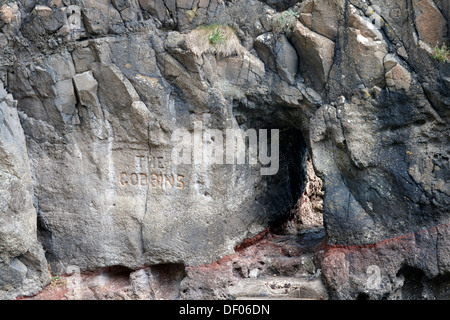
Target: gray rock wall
<point>23,267</point>
<point>100,87</point>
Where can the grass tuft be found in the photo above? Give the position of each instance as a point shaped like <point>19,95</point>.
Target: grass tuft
<point>284,22</point>
<point>442,53</point>
<point>215,39</point>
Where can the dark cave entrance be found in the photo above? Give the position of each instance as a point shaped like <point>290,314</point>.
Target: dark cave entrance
<point>305,187</point>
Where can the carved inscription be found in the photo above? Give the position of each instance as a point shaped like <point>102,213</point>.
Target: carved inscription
<point>154,180</point>
<point>148,172</point>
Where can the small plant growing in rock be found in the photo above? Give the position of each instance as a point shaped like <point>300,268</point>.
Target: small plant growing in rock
<point>215,39</point>
<point>284,22</point>
<point>57,281</point>
<point>441,53</point>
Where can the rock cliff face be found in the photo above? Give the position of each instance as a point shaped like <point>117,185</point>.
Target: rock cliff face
<point>96,97</point>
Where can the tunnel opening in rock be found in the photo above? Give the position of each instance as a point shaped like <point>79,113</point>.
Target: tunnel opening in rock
<point>305,186</point>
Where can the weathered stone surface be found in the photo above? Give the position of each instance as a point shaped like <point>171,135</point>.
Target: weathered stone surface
<point>400,27</point>
<point>310,204</point>
<point>317,50</point>
<point>86,87</point>
<point>263,46</point>
<point>125,123</point>
<point>278,266</point>
<point>360,56</point>
<point>83,57</point>
<point>100,17</point>
<point>101,86</point>
<point>398,78</point>
<point>22,261</point>
<point>355,133</point>
<point>10,14</point>
<point>279,55</point>
<point>279,288</point>
<point>284,267</point>
<point>74,26</point>
<point>398,268</point>
<point>286,94</point>
<point>431,33</point>
<point>18,228</point>
<point>66,100</point>
<point>129,10</point>
<point>155,7</point>
<point>322,16</point>
<point>43,20</point>
<point>50,19</point>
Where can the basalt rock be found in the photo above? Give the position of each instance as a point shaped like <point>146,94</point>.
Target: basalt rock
<point>97,95</point>
<point>23,267</point>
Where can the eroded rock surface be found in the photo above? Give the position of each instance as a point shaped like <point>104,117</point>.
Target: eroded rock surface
<point>93,92</point>
<point>23,267</point>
